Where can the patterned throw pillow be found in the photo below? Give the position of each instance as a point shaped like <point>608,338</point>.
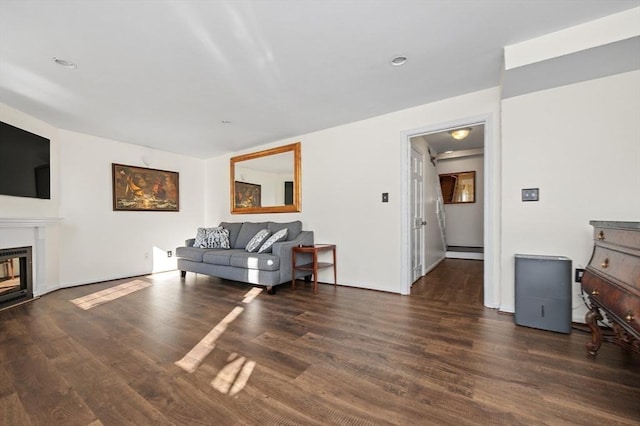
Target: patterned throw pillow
<point>257,239</point>
<point>218,238</point>
<point>281,235</point>
<point>201,236</point>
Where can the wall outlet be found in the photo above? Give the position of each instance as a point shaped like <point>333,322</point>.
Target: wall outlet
<point>530,194</point>
<point>169,253</point>
<point>385,197</point>
<point>146,255</point>
<point>579,274</point>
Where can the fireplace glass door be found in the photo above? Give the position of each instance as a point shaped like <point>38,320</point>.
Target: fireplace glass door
<point>15,275</point>
<point>10,278</point>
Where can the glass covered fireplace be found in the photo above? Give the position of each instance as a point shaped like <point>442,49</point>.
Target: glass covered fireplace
<point>16,283</point>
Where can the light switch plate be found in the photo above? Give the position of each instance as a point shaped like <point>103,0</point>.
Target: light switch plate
<point>530,194</point>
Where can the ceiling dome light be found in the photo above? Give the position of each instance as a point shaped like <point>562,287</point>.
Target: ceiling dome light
<point>399,60</point>
<point>459,134</point>
<point>65,63</point>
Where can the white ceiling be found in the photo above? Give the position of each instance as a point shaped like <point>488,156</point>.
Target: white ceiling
<point>166,74</point>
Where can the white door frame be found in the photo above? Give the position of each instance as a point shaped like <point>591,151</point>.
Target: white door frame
<point>490,221</point>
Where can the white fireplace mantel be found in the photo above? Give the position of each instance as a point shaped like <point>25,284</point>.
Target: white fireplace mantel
<point>31,231</point>
<point>27,222</point>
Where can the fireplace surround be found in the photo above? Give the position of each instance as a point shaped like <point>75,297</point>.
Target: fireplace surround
<point>16,277</point>
<point>40,234</point>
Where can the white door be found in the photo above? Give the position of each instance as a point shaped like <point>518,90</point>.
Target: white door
<point>416,200</point>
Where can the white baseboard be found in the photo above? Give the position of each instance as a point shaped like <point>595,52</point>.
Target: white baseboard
<point>465,255</point>
<point>433,266</point>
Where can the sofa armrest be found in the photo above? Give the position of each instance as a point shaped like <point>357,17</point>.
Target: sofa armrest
<point>189,242</point>
<point>283,251</point>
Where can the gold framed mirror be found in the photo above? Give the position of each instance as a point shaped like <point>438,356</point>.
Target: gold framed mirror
<point>266,181</point>
<point>458,188</point>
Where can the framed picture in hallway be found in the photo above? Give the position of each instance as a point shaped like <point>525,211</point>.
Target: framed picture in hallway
<point>458,188</point>
<point>141,189</point>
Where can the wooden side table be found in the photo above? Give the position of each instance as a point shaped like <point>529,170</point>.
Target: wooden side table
<point>314,265</point>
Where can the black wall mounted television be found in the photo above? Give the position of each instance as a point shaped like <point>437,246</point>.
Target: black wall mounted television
<point>24,163</point>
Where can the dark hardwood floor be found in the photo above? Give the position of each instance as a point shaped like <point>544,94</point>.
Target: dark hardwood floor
<point>344,356</point>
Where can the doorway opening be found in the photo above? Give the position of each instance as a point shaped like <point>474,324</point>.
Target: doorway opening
<point>460,168</point>
<point>464,225</point>
<point>450,208</point>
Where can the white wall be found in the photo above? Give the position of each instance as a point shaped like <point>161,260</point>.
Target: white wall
<point>345,170</point>
<point>97,243</point>
<point>580,144</point>
<point>91,242</point>
<point>464,222</point>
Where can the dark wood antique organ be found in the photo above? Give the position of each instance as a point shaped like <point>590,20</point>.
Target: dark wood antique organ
<point>612,283</point>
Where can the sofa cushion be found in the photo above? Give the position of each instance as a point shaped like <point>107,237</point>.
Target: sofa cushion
<point>294,228</point>
<point>248,230</point>
<point>263,262</point>
<point>201,236</point>
<point>257,240</point>
<point>191,253</point>
<point>234,230</point>
<point>281,235</point>
<point>218,257</point>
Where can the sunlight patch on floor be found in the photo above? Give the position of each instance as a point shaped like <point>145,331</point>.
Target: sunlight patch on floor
<point>251,294</point>
<point>194,358</point>
<point>234,376</point>
<point>107,295</point>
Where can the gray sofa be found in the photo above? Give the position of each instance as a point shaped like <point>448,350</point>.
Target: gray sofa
<point>235,263</point>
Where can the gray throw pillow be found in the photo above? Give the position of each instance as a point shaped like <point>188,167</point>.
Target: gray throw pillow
<point>257,240</point>
<point>281,235</point>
